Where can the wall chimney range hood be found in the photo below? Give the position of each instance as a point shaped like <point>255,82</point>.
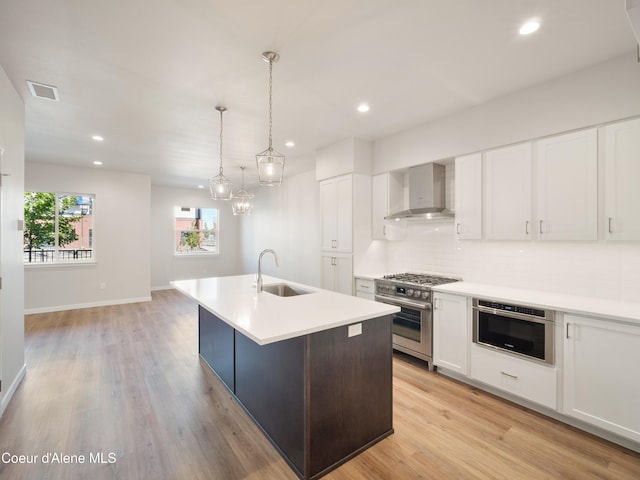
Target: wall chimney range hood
<point>427,193</point>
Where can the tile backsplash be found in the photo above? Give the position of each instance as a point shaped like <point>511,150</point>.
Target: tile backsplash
<point>600,269</point>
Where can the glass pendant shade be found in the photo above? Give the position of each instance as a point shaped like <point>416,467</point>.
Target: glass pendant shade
<point>270,167</point>
<point>270,163</point>
<point>220,186</point>
<point>241,200</point>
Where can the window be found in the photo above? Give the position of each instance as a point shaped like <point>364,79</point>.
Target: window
<point>196,231</point>
<point>58,227</point>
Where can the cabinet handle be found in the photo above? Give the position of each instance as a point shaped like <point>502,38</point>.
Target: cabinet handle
<point>541,226</point>
<point>567,330</point>
<point>435,303</point>
<point>610,229</point>
<point>515,377</point>
<point>526,227</point>
<point>457,228</point>
<point>384,230</point>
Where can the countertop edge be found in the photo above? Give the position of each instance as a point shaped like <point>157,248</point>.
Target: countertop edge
<point>621,311</point>
<point>381,310</point>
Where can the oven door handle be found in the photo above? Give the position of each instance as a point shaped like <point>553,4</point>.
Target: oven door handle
<point>403,303</point>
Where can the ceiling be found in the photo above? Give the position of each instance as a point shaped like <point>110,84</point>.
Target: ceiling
<point>147,74</point>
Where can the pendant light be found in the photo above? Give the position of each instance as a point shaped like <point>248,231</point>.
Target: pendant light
<point>270,163</point>
<point>241,200</point>
<point>220,186</point>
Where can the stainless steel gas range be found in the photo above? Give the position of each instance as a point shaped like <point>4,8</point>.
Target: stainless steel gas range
<point>413,325</point>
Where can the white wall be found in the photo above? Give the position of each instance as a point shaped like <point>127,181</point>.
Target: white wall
<point>600,94</point>
<point>12,118</point>
<point>165,266</point>
<point>286,219</point>
<point>121,239</point>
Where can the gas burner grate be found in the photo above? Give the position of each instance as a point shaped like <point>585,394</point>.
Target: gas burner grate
<point>420,278</point>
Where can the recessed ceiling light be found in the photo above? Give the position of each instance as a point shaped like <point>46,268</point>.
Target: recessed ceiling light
<point>97,138</point>
<point>363,107</point>
<point>97,162</point>
<point>290,144</point>
<point>200,186</point>
<point>529,27</point>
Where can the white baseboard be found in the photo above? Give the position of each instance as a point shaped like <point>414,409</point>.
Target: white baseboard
<point>8,395</point>
<point>162,287</point>
<point>59,308</point>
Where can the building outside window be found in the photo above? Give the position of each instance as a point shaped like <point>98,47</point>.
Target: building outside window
<point>196,231</point>
<point>58,227</point>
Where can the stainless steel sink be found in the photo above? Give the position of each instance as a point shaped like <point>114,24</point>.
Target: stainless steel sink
<point>283,290</point>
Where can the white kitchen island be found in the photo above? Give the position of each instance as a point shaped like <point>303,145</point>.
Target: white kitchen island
<point>313,370</point>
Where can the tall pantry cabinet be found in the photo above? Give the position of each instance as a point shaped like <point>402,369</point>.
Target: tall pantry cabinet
<point>345,210</point>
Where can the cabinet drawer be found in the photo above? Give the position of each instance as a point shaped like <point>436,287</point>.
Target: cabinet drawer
<point>365,285</point>
<point>529,380</point>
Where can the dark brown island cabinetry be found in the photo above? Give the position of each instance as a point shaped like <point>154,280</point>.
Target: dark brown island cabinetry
<point>320,398</point>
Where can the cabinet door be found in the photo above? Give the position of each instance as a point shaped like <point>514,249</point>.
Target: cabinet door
<point>567,186</point>
<point>336,205</point>
<point>337,273</point>
<point>344,213</point>
<point>468,191</point>
<point>451,332</point>
<point>622,173</point>
<point>601,385</point>
<point>386,198</point>
<point>328,213</point>
<point>344,275</point>
<point>508,193</point>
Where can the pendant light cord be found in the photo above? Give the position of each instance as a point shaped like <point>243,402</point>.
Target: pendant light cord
<point>220,142</point>
<point>270,94</point>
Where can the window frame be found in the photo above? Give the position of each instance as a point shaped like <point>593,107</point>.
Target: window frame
<point>56,249</point>
<point>177,231</point>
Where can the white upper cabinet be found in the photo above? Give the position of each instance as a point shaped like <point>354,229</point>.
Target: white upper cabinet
<point>622,179</point>
<point>567,186</point>
<point>468,201</point>
<point>336,205</point>
<point>387,191</point>
<point>507,197</point>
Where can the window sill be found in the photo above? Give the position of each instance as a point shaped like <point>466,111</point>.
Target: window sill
<point>195,255</point>
<point>37,265</point>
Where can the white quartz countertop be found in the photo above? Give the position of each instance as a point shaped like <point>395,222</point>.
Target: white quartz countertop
<point>575,304</point>
<point>268,318</point>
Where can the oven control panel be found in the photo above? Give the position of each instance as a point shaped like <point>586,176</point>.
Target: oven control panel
<point>392,290</point>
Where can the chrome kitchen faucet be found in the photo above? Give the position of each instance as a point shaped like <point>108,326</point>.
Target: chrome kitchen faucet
<point>259,279</point>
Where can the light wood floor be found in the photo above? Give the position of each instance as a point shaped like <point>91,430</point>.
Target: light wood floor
<point>127,380</point>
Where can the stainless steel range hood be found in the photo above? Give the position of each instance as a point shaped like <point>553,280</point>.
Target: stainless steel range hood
<point>427,194</point>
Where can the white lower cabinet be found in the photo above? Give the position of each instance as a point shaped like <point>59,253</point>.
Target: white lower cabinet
<point>601,380</point>
<point>337,273</point>
<point>530,380</point>
<point>365,288</point>
<point>451,339</point>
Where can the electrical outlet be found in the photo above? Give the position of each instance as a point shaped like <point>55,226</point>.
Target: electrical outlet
<point>355,329</point>
<point>103,285</point>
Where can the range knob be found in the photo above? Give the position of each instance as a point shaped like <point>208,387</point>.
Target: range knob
<point>417,294</point>
<point>425,295</point>
<point>410,292</point>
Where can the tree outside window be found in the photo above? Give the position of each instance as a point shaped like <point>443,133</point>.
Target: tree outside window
<point>57,227</point>
<point>196,231</point>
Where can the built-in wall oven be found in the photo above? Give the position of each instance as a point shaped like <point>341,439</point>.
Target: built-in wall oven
<point>524,331</point>
<point>413,325</point>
